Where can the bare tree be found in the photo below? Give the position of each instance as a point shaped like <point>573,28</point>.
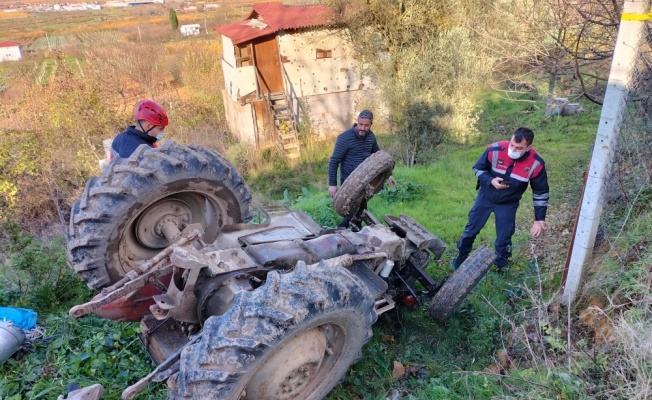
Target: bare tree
<point>569,43</point>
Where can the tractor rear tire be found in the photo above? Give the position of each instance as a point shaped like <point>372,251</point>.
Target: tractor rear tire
<point>363,183</point>
<point>116,225</point>
<point>461,283</point>
<point>295,337</point>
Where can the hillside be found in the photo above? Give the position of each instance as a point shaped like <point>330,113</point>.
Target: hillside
<point>451,83</point>
<point>481,351</point>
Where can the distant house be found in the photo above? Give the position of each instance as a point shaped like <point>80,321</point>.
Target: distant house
<point>190,29</point>
<point>116,4</point>
<point>139,3</point>
<point>77,7</point>
<point>10,51</point>
<point>280,59</point>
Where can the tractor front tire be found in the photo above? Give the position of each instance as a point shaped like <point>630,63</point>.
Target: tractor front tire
<point>461,283</point>
<point>363,183</point>
<point>295,337</point>
<point>117,223</point>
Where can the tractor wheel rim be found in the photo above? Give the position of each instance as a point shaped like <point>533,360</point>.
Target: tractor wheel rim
<point>297,367</point>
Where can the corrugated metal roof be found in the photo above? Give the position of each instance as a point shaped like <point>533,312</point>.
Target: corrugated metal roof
<point>268,18</point>
<point>9,44</point>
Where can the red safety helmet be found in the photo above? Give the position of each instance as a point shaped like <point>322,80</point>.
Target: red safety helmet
<point>151,112</point>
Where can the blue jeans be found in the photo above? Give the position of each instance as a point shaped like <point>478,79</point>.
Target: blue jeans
<point>505,215</point>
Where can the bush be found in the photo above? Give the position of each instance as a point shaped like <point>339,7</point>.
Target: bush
<point>402,192</point>
<point>35,274</point>
<point>319,206</point>
<point>429,70</point>
<point>87,351</point>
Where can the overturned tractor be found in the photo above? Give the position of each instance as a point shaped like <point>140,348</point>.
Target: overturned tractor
<point>236,303</point>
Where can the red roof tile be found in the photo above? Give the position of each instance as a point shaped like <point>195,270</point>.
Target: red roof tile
<point>276,17</point>
<point>9,44</point>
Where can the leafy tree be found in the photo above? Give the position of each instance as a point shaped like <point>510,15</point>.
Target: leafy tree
<point>174,21</point>
<point>428,64</point>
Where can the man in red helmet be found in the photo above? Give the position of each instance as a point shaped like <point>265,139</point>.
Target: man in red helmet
<point>151,121</point>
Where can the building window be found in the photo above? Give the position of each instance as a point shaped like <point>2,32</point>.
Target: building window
<point>324,53</point>
<point>243,56</point>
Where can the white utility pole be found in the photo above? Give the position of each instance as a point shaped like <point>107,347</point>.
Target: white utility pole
<point>630,32</point>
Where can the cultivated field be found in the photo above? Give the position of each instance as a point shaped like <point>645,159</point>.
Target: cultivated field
<point>144,23</point>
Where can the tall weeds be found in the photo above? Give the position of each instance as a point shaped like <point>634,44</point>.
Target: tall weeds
<point>66,107</point>
<point>601,348</point>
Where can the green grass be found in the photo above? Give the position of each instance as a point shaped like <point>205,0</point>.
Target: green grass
<point>86,351</point>
<point>34,274</point>
<point>449,360</point>
<point>449,183</point>
<point>454,354</point>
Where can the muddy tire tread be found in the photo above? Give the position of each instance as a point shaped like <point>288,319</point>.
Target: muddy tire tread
<point>107,199</point>
<point>460,284</point>
<point>364,182</point>
<point>232,344</point>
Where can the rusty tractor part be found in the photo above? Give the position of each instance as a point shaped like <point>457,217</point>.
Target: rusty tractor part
<point>278,308</point>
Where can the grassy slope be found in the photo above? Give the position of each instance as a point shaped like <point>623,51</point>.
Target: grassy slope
<point>451,360</point>
<point>448,189</point>
<point>448,185</point>
<point>469,340</point>
<point>441,353</point>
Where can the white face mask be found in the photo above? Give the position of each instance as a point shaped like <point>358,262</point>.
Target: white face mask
<point>160,136</point>
<point>514,155</point>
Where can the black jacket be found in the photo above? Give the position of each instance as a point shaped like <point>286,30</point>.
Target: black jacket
<point>349,152</point>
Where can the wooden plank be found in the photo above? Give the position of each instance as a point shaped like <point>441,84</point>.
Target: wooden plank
<point>266,131</point>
